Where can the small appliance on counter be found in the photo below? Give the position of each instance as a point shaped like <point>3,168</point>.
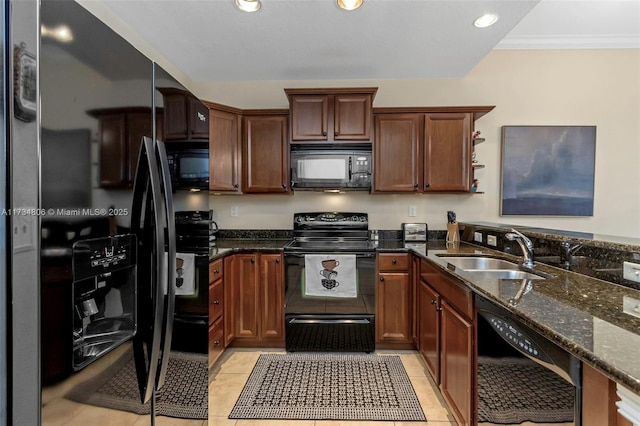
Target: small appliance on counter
<point>195,230</point>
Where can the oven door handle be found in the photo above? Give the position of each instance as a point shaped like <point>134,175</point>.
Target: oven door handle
<point>358,255</point>
<point>329,321</point>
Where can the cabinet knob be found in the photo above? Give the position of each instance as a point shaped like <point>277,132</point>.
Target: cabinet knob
<point>216,342</point>
<point>235,186</point>
<point>324,133</point>
<point>415,186</point>
<point>426,185</point>
<point>216,271</point>
<point>335,134</point>
<point>284,186</point>
<point>439,309</point>
<point>253,260</point>
<point>394,261</point>
<point>278,260</point>
<point>216,302</point>
<point>381,278</point>
<point>433,302</point>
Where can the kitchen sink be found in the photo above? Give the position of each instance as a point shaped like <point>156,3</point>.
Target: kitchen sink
<point>468,263</point>
<point>489,267</point>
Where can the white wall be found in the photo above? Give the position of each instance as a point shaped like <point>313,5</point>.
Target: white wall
<point>528,87</point>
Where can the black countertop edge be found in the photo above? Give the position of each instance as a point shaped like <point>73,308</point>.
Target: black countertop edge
<point>552,298</point>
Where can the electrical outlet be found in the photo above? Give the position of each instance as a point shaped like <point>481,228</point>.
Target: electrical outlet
<point>631,271</point>
<point>413,211</point>
<point>477,237</point>
<point>492,240</point>
<point>234,211</point>
<point>631,306</point>
<point>23,232</point>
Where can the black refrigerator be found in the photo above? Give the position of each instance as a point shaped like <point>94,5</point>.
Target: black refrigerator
<point>107,233</point>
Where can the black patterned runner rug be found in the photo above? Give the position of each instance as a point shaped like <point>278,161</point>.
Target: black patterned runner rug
<point>515,390</point>
<point>328,387</point>
<point>184,395</point>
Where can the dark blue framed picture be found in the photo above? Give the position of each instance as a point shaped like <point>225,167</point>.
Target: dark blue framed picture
<point>548,170</point>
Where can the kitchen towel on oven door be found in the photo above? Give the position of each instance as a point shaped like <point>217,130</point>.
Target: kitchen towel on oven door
<point>330,275</point>
<point>185,274</point>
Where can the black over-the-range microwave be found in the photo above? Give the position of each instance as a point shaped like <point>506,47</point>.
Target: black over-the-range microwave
<point>189,167</point>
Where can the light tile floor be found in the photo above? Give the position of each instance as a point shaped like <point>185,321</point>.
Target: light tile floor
<point>235,366</point>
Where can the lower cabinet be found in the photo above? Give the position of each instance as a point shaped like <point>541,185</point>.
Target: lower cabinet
<point>216,311</point>
<point>254,312</point>
<point>599,400</point>
<point>446,339</point>
<point>393,298</point>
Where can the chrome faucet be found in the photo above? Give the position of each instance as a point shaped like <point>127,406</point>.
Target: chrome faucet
<point>525,244</point>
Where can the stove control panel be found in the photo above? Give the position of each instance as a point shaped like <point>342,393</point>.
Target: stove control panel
<point>326,219</point>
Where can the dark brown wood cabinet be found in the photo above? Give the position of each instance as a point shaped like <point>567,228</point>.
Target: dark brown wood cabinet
<point>256,285</point>
<point>185,117</point>
<point>224,149</point>
<point>216,311</point>
<point>447,340</point>
<point>265,153</point>
<point>331,115</point>
<point>599,400</point>
<point>424,149</point>
<point>120,135</point>
<point>393,298</point>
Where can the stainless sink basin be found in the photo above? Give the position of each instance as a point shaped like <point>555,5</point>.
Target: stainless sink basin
<point>480,263</point>
<point>489,267</point>
<point>505,274</point>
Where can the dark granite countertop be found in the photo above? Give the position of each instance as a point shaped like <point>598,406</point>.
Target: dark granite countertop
<point>581,314</point>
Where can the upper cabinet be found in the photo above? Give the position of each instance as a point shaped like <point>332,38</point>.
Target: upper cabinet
<point>331,115</point>
<point>224,148</point>
<point>265,152</point>
<point>185,117</point>
<point>424,149</point>
<point>120,134</point>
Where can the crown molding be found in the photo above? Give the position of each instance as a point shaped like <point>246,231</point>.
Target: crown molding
<point>571,42</point>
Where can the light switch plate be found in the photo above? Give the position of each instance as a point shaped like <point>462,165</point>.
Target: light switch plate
<point>631,271</point>
<point>234,211</point>
<point>477,237</point>
<point>413,211</point>
<point>492,240</point>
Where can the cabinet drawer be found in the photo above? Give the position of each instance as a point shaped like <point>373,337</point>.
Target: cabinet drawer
<point>215,270</point>
<point>216,294</point>
<point>393,261</point>
<point>216,343</point>
<point>458,295</point>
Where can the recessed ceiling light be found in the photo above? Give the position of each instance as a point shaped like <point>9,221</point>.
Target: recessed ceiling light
<point>248,5</point>
<point>350,4</point>
<point>486,20</point>
<point>61,33</point>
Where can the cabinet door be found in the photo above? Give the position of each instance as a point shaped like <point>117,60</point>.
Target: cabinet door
<point>246,295</point>
<point>138,125</point>
<point>272,291</point>
<point>415,304</point>
<point>393,309</point>
<point>352,117</point>
<point>396,152</point>
<point>447,156</point>
<point>198,120</point>
<point>113,151</point>
<point>224,151</point>
<point>457,372</point>
<point>429,328</point>
<point>265,154</point>
<point>309,117</point>
<point>175,117</point>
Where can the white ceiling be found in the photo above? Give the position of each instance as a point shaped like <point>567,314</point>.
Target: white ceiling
<point>210,40</point>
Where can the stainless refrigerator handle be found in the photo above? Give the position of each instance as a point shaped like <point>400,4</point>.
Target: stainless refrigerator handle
<point>167,327</point>
<point>147,178</point>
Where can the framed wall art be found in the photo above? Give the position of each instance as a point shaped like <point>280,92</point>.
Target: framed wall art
<point>548,170</point>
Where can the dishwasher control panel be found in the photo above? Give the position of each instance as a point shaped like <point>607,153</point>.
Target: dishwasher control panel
<point>518,339</point>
